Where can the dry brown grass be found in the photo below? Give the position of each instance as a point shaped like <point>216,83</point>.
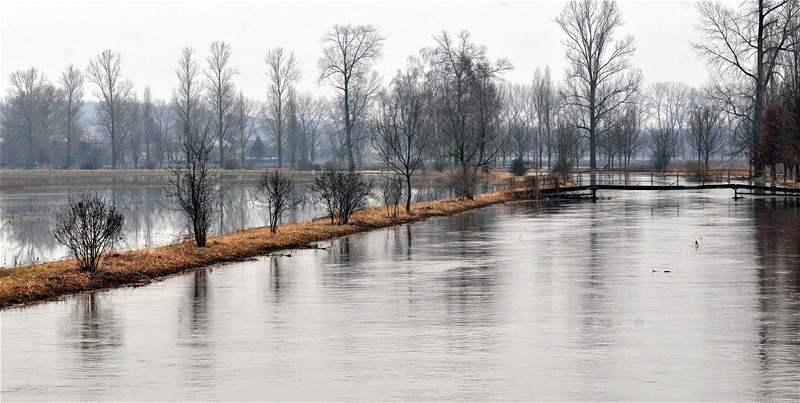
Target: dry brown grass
<point>40,282</point>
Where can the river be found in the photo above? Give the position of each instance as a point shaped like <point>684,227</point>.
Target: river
<point>644,296</point>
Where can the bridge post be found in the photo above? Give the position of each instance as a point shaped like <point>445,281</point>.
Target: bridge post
<point>651,178</point>
<point>736,193</point>
<point>594,193</point>
<point>677,178</point>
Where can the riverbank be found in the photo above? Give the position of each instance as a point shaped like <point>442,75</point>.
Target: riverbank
<point>47,281</point>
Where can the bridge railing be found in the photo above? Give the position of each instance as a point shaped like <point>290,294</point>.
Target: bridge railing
<point>582,178</point>
<point>659,177</point>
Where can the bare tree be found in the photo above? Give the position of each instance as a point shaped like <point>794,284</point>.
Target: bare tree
<point>283,72</point>
<point>258,149</point>
<point>706,136</point>
<point>221,94</point>
<point>310,112</point>
<point>348,56</point>
<point>632,138</point>
<point>279,193</point>
<point>163,131</point>
<point>187,98</point>
<point>515,119</point>
<point>402,125</point>
<point>746,44</point>
<point>341,193</point>
<point>468,105</point>
<point>244,124</point>
<point>566,142</point>
<point>668,104</point>
<point>130,129</point>
<point>391,188</point>
<point>544,102</point>
<point>664,145</point>
<point>72,91</point>
<point>25,113</point>
<point>600,78</point>
<point>89,227</point>
<point>194,181</point>
<point>294,141</point>
<point>112,91</point>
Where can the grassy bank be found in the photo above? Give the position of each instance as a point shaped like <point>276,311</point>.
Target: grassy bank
<point>46,281</point>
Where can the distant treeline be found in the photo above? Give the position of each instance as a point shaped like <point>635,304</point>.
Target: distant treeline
<point>449,107</point>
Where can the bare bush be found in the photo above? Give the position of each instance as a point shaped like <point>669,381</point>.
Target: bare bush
<point>391,188</point>
<point>279,193</point>
<point>463,183</point>
<point>341,193</point>
<point>89,227</point>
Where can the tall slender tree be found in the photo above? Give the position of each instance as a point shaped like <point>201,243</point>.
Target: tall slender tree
<point>71,83</point>
<point>283,73</point>
<point>349,54</point>
<point>600,77</point>
<point>112,91</point>
<point>402,125</point>
<point>221,93</point>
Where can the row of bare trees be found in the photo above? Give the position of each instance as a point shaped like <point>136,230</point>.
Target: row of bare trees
<point>448,108</point>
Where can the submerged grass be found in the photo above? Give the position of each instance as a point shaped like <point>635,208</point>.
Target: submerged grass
<point>46,281</point>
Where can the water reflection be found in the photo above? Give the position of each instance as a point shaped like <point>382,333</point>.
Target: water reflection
<point>197,357</point>
<point>96,331</point>
<point>528,301</point>
<point>778,278</point>
<point>93,337</point>
<point>278,284</point>
<point>150,216</point>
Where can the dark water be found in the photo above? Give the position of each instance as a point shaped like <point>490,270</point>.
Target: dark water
<point>512,302</point>
<point>150,216</point>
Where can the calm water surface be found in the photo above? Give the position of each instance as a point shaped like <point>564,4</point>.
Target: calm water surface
<point>559,301</point>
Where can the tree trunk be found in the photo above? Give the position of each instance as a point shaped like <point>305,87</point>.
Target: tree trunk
<point>408,194</point>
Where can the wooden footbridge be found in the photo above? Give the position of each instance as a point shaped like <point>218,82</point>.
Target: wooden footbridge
<point>586,184</point>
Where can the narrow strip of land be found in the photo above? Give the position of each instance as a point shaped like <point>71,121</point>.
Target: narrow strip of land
<point>46,281</point>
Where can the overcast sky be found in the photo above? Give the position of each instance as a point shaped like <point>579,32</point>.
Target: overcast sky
<point>149,34</point>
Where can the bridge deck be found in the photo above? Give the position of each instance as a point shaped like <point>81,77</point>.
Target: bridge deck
<point>732,186</point>
<point>551,185</point>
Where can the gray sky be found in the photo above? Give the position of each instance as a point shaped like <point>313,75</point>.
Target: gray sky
<point>149,34</point>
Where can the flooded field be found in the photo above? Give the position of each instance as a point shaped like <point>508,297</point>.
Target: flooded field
<point>647,296</point>
<point>151,217</point>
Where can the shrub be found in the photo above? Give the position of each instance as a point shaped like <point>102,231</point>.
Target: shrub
<point>341,193</point>
<point>392,190</point>
<point>518,167</point>
<point>279,193</point>
<point>463,183</point>
<point>89,227</point>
